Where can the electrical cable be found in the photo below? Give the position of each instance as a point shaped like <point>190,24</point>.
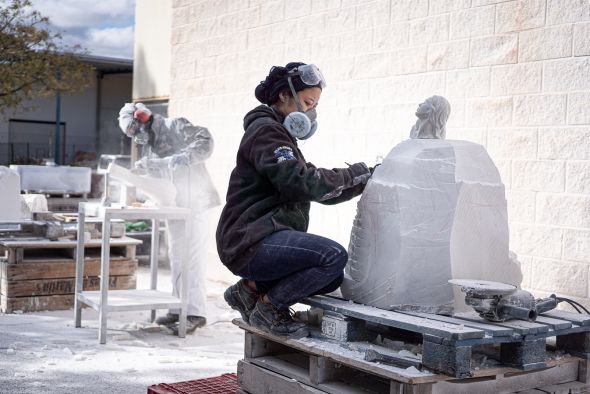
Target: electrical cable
<point>574,304</point>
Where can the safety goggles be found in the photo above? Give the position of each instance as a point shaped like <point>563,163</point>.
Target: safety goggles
<point>310,74</point>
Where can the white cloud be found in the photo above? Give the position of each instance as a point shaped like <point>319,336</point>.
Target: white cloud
<point>111,41</point>
<point>103,27</point>
<point>85,13</point>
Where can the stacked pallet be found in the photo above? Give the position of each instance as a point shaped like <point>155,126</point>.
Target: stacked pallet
<point>343,356</point>
<point>37,274</point>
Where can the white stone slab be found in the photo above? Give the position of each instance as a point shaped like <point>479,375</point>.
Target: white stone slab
<point>10,199</point>
<point>434,210</point>
<point>54,179</point>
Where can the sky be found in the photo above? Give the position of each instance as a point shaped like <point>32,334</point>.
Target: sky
<point>103,27</point>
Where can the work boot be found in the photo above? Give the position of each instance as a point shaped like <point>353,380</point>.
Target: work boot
<point>192,323</point>
<point>167,320</point>
<point>241,298</point>
<point>275,321</point>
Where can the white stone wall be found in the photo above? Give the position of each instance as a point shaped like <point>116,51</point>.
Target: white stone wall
<point>517,74</point>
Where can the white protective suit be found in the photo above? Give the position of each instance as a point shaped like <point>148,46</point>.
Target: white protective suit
<point>176,151</point>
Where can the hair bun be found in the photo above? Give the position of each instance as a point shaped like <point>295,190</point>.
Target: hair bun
<point>261,92</point>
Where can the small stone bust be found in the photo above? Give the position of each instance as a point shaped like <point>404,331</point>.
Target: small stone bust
<point>432,115</point>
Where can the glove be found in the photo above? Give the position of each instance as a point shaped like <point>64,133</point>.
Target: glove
<point>141,163</point>
<point>177,160</point>
<point>152,163</point>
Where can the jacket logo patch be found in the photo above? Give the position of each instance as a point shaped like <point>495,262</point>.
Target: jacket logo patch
<point>284,153</point>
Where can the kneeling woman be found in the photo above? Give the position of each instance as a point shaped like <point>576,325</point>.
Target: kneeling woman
<point>261,235</point>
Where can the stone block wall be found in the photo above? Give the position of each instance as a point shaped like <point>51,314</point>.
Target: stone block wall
<point>517,74</point>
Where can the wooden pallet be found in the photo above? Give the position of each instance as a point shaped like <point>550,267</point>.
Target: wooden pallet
<point>274,364</point>
<point>448,342</point>
<point>37,274</point>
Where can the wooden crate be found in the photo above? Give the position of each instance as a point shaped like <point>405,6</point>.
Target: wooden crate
<point>40,275</point>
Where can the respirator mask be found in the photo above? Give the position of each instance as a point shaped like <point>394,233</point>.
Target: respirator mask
<point>139,132</point>
<point>300,124</point>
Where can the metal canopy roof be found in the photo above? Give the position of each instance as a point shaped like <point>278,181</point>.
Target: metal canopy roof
<point>108,65</point>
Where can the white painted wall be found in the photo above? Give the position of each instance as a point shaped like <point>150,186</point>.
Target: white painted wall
<point>517,74</point>
<point>151,58</point>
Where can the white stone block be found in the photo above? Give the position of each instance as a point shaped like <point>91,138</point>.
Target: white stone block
<point>536,240</point>
<point>576,245</point>
<point>500,49</point>
<point>434,210</point>
<point>578,108</point>
<point>272,12</point>
<point>311,26</point>
<point>505,169</point>
<point>428,30</point>
<point>337,69</point>
<point>521,207</point>
<point>407,89</point>
<point>567,74</point>
<point>567,11</point>
<point>324,5</point>
<point>470,82</point>
<point>569,143</point>
<point>10,199</point>
<point>582,39</point>
<point>457,123</point>
<point>540,44</point>
<point>526,265</point>
<point>409,61</point>
<point>374,65</point>
<point>476,135</point>
<point>539,110</point>
<point>538,175</point>
<point>512,143</point>
<point>519,15</point>
<point>391,36</point>
<point>577,177</point>
<point>181,16</point>
<point>570,210</point>
<point>448,55</point>
<point>340,20</point>
<point>440,7</point>
<point>479,3</point>
<point>325,48</point>
<point>402,10</point>
<point>471,22</point>
<point>296,9</point>
<point>489,112</point>
<point>372,14</point>
<point>513,79</point>
<point>560,277</point>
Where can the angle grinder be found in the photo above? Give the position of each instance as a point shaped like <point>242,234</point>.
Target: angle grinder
<point>495,301</point>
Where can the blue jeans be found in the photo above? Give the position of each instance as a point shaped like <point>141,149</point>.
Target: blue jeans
<point>291,265</point>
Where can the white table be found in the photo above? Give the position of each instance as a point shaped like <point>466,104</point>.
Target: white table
<point>105,301</point>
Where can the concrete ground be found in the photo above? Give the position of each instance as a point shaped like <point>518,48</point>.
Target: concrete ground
<point>42,352</point>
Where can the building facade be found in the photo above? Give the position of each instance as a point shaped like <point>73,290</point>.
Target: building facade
<point>517,74</point>
<point>88,121</point>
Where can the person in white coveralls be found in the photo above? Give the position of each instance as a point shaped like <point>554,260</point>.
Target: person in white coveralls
<point>176,150</point>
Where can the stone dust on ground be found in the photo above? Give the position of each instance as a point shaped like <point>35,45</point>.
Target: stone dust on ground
<point>42,352</point>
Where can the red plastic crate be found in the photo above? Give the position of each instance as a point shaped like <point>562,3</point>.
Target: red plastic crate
<point>224,384</point>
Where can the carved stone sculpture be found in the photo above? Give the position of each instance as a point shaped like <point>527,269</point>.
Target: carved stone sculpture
<point>434,210</point>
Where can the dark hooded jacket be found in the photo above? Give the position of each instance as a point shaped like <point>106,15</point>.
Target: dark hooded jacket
<point>271,188</point>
